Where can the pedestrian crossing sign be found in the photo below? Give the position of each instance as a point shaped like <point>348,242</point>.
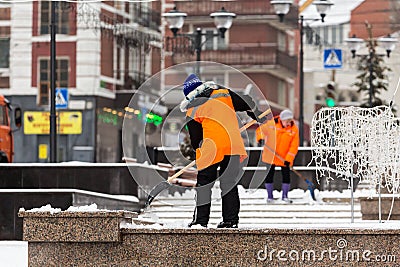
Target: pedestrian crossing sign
<point>333,59</point>
<point>61,98</point>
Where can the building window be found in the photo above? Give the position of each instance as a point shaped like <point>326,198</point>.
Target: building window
<point>340,37</point>
<point>62,74</point>
<point>292,48</point>
<point>4,52</point>
<point>318,36</point>
<point>334,34</point>
<point>282,93</point>
<point>119,5</point>
<point>62,17</point>
<point>309,35</point>
<point>291,96</point>
<point>282,42</point>
<point>213,43</point>
<point>326,35</point>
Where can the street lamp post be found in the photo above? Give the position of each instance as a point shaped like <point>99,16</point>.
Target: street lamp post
<point>354,44</point>
<point>53,116</point>
<point>281,8</point>
<point>301,80</point>
<point>222,19</point>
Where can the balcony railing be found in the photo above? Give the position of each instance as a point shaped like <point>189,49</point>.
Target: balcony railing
<point>242,7</point>
<point>179,44</point>
<point>182,50</point>
<point>234,56</point>
<point>146,16</point>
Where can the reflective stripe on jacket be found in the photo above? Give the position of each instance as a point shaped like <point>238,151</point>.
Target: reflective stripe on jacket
<point>221,134</point>
<point>284,141</point>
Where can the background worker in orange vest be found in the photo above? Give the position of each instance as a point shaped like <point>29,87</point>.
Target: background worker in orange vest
<point>281,143</point>
<point>215,135</point>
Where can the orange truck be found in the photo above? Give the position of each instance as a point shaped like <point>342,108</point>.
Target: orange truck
<point>6,132</point>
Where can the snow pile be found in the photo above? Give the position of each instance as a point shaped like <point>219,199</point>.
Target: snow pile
<point>128,198</point>
<point>141,226</point>
<point>51,210</point>
<point>46,208</point>
<point>87,208</point>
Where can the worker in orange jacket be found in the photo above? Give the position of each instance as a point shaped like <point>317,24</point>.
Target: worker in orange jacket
<point>281,143</point>
<point>215,136</point>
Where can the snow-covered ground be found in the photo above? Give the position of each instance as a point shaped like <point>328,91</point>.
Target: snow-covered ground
<point>332,208</point>
<point>13,254</point>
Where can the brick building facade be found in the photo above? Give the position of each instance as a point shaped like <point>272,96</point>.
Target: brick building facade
<point>104,50</point>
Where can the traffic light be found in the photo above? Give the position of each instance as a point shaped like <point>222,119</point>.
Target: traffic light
<point>330,94</point>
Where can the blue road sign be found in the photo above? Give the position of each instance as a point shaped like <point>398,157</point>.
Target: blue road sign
<point>333,59</point>
<point>61,98</point>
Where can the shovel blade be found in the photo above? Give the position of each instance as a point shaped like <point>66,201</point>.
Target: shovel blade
<point>311,188</point>
<point>312,193</point>
<point>155,191</point>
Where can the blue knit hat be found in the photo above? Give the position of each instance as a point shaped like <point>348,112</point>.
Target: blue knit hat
<point>191,83</point>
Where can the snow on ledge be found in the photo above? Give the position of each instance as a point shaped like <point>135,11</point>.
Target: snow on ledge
<point>51,210</point>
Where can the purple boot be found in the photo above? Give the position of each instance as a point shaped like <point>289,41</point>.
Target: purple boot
<point>285,190</point>
<point>270,189</point>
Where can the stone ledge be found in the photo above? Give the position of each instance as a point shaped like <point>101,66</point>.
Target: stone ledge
<point>65,226</point>
<point>370,207</point>
<point>212,247</point>
<point>102,240</point>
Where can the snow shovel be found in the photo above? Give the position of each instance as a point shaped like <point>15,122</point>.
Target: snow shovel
<point>310,184</point>
<point>173,179</point>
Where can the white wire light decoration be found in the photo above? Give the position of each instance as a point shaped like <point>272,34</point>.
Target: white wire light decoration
<point>359,143</point>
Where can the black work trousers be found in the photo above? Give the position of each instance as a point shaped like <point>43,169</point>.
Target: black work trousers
<point>230,173</point>
<point>285,174</point>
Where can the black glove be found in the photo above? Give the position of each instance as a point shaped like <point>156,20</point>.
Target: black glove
<point>287,163</point>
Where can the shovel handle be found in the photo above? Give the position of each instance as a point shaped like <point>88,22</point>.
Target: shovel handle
<point>191,164</point>
<point>247,125</point>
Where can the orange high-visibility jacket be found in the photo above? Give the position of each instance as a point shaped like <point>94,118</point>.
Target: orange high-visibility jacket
<point>284,141</point>
<point>259,134</point>
<point>221,134</point>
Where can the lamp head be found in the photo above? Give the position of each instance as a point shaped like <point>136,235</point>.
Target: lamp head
<point>175,20</point>
<point>323,7</point>
<point>354,44</point>
<point>223,20</point>
<point>388,43</point>
<point>281,7</point>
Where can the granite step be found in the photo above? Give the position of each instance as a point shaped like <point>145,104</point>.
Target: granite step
<point>255,212</point>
